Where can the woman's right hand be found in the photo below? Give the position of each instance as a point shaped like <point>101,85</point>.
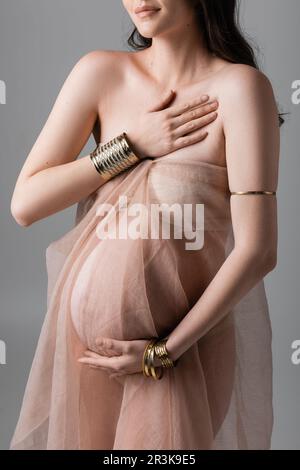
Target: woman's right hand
<point>163,129</point>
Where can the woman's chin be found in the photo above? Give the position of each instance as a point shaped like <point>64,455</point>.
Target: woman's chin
<point>146,34</point>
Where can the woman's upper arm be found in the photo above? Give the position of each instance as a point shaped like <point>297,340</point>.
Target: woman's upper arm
<point>71,119</point>
<point>251,129</point>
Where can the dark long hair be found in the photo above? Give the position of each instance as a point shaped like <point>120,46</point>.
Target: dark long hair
<point>218,21</point>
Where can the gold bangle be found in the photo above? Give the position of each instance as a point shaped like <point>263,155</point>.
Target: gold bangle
<point>156,348</point>
<point>145,360</point>
<point>162,352</point>
<point>151,356</point>
<point>268,193</point>
<point>149,370</point>
<point>114,157</point>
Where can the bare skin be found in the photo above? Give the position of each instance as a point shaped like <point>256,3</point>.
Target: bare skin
<point>51,169</point>
<point>244,137</point>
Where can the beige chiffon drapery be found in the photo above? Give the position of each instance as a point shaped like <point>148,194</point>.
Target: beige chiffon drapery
<point>219,396</point>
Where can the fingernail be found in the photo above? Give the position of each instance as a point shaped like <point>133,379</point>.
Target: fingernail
<point>204,97</point>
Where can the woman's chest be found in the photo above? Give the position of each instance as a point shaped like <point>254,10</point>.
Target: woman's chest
<point>124,104</point>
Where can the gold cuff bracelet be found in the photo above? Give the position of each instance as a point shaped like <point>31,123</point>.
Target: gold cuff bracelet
<point>114,157</point>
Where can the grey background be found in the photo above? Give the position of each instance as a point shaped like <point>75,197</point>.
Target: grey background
<point>40,41</point>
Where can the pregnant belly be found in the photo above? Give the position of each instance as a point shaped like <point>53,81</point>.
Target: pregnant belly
<point>100,297</point>
<point>126,289</point>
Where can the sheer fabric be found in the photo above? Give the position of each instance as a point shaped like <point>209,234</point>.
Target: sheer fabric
<point>219,396</point>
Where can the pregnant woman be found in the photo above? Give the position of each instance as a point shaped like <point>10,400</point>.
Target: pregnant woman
<point>157,342</point>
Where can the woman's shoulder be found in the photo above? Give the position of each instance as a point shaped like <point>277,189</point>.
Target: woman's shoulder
<point>94,61</point>
<point>101,65</point>
<point>94,72</point>
<point>245,91</point>
<point>238,79</point>
<point>100,55</point>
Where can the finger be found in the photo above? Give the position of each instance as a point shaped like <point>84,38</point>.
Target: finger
<point>91,354</point>
<point>164,102</point>
<point>112,376</point>
<point>113,363</point>
<point>111,344</point>
<point>194,114</point>
<point>181,108</point>
<point>193,138</point>
<point>98,368</point>
<point>101,352</point>
<point>199,123</point>
<point>90,361</point>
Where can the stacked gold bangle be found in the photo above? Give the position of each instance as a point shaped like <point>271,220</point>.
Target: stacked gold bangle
<point>115,156</point>
<point>156,348</point>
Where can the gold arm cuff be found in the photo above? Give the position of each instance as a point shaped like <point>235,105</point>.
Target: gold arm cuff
<point>268,193</point>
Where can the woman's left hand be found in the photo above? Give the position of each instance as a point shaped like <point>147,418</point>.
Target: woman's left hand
<point>117,357</point>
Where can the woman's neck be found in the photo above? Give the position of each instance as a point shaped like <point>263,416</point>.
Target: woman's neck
<point>178,58</point>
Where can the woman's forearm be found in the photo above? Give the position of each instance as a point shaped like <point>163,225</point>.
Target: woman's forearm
<point>237,275</point>
<point>54,189</point>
